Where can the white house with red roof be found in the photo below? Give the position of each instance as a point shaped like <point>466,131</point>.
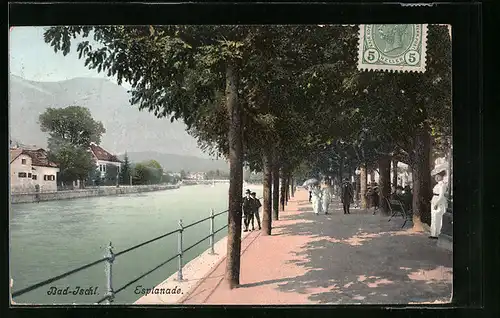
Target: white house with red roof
<point>103,158</point>
<point>31,167</point>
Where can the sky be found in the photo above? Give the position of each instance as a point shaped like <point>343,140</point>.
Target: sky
<point>33,59</point>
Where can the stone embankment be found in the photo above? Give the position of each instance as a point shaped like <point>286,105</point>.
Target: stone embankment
<point>85,193</point>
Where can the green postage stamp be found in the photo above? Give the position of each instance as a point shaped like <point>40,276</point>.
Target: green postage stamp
<point>392,47</point>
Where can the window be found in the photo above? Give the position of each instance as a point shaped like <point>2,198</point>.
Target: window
<point>102,168</point>
<point>23,161</point>
<point>21,175</point>
<point>52,177</point>
<point>34,177</point>
<point>29,174</point>
<point>45,178</point>
<point>49,177</point>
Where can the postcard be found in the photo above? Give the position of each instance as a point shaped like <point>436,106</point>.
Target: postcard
<point>230,164</point>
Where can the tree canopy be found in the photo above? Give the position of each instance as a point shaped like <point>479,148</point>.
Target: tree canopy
<point>278,98</point>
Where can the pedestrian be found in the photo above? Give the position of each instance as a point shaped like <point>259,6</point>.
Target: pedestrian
<point>316,199</point>
<point>439,204</point>
<point>247,209</point>
<point>255,213</point>
<point>310,194</point>
<point>326,198</point>
<point>374,197</point>
<point>347,194</point>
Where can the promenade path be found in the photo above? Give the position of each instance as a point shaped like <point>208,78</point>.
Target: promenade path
<point>333,259</point>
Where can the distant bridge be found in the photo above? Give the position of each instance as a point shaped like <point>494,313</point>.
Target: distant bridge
<point>190,181</point>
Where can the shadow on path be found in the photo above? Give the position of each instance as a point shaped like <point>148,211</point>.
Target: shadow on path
<point>363,258</point>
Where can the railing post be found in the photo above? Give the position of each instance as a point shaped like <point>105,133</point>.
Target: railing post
<point>179,250</point>
<point>109,275</point>
<point>212,235</point>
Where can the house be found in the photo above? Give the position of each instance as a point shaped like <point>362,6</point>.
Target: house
<point>196,176</point>
<point>31,167</point>
<point>102,158</point>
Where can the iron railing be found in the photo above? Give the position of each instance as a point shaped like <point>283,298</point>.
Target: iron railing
<point>110,257</point>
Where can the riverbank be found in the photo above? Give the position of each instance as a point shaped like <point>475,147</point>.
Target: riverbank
<point>172,291</point>
<point>85,193</point>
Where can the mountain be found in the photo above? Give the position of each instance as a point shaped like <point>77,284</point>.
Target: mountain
<point>127,128</point>
<point>176,163</point>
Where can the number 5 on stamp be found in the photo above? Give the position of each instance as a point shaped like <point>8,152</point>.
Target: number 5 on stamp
<point>392,47</point>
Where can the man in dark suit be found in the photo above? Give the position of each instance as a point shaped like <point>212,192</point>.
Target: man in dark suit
<point>248,206</point>
<point>256,207</point>
<point>347,195</point>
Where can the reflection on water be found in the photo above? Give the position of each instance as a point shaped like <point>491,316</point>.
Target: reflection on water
<point>49,238</point>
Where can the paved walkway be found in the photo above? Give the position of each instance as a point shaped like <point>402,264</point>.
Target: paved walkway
<point>333,259</point>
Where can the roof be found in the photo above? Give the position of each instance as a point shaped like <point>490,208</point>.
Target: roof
<point>102,154</point>
<point>14,153</point>
<point>38,157</point>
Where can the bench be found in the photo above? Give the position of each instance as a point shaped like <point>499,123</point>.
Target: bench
<point>397,207</point>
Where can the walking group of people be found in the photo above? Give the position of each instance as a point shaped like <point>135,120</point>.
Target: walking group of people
<point>321,198</point>
<point>251,206</point>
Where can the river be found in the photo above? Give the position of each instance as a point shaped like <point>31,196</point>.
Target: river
<point>50,238</point>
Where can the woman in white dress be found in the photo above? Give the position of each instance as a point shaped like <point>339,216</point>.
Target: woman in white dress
<point>316,199</point>
<point>439,204</point>
<point>326,198</point>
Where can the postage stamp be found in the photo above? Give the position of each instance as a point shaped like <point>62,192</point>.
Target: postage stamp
<point>392,47</point>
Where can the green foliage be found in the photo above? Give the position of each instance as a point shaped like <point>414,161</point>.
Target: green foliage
<point>72,124</point>
<point>300,90</point>
<point>125,171</point>
<point>183,174</point>
<point>217,175</point>
<point>147,172</point>
<point>94,177</point>
<point>75,163</point>
<point>71,130</point>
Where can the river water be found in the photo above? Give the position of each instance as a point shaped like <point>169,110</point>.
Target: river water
<point>50,238</point>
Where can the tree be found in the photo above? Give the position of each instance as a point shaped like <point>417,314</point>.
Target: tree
<point>147,172</point>
<point>125,172</point>
<point>406,113</point>
<point>72,124</point>
<point>71,130</point>
<point>183,174</point>
<point>75,163</point>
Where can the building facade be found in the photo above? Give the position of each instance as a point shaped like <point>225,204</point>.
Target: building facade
<point>103,158</point>
<point>31,168</point>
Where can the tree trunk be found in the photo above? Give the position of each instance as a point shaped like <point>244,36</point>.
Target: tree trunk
<point>282,194</point>
<point>363,180</point>
<point>292,186</point>
<point>341,170</point>
<point>394,175</point>
<point>421,176</point>
<point>267,185</point>
<point>384,167</point>
<point>276,189</point>
<point>357,188</point>
<point>232,275</point>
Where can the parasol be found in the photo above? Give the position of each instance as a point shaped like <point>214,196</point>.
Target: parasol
<point>309,182</point>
